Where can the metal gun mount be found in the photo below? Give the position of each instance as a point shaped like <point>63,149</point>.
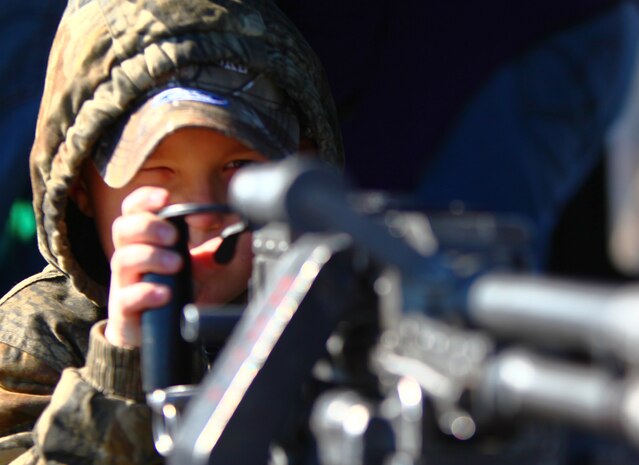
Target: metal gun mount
<point>365,299</point>
<point>362,331</point>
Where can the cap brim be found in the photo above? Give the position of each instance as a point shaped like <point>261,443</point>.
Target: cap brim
<point>147,126</point>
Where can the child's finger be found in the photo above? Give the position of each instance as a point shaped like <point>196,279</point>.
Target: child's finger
<point>129,263</point>
<point>125,307</point>
<point>144,227</point>
<point>135,298</point>
<point>145,198</point>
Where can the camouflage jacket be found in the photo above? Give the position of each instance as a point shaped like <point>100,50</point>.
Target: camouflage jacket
<point>66,395</point>
<point>96,413</point>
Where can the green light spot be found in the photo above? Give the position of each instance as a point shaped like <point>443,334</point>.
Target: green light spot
<point>21,224</point>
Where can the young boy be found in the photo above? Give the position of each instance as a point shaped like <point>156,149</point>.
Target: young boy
<point>147,103</point>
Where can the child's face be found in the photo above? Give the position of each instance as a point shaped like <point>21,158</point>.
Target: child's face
<point>193,165</point>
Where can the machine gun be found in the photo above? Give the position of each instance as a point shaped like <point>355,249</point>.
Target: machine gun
<point>364,330</point>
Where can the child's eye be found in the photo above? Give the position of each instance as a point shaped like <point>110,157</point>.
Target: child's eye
<point>155,174</point>
<point>156,169</point>
<point>237,164</point>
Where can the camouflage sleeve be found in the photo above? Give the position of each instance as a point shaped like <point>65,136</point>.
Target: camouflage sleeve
<point>26,384</point>
<point>97,415</point>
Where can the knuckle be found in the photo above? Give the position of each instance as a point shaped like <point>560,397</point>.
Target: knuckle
<point>146,198</point>
<point>116,261</point>
<point>129,299</point>
<point>117,229</point>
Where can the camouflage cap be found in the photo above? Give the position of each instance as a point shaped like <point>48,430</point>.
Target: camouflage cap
<point>243,105</point>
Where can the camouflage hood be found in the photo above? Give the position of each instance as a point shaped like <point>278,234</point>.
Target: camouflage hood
<point>108,53</point>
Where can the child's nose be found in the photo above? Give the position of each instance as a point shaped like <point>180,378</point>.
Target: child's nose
<point>205,189</point>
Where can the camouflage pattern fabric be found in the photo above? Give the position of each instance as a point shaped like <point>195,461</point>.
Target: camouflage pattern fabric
<point>44,328</point>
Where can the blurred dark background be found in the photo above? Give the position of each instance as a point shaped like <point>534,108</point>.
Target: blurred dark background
<point>421,85</point>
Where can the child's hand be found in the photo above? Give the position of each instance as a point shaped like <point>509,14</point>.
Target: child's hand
<point>139,238</point>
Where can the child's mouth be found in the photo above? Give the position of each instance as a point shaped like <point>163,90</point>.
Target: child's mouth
<point>203,255</point>
<point>220,249</point>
